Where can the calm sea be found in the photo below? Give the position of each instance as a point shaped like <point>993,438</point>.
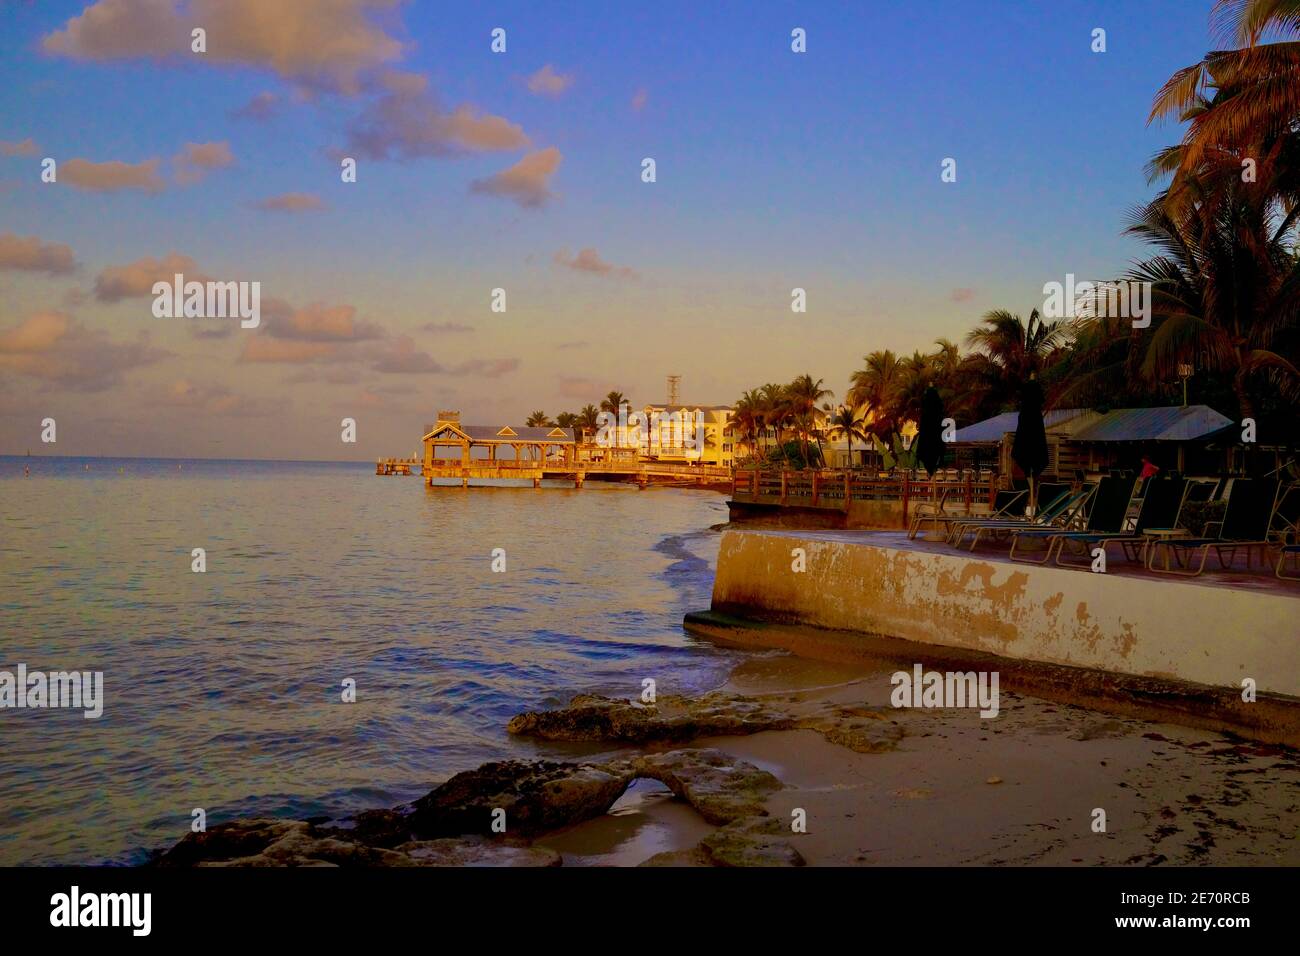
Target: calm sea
<point>224,689</point>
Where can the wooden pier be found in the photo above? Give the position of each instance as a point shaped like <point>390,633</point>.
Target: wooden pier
<point>465,453</point>
<point>642,472</point>
<point>397,466</point>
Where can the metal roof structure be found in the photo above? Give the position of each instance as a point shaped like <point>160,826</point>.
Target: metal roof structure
<point>1167,423</point>
<point>1170,423</point>
<point>993,430</point>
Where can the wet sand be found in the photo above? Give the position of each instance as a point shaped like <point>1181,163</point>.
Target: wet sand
<point>1019,789</point>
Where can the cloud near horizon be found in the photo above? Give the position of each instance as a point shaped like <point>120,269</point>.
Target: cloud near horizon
<point>55,348</point>
<point>136,279</point>
<point>527,182</point>
<point>29,254</point>
<point>316,322</point>
<point>588,260</point>
<point>210,399</point>
<point>441,327</point>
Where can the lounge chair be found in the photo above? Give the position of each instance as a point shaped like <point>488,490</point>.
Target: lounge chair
<point>1288,550</point>
<point>1245,525</point>
<point>1109,510</point>
<point>1059,512</point>
<point>1161,503</point>
<point>1003,502</point>
<point>1286,515</point>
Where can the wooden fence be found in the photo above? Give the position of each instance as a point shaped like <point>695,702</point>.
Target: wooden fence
<point>838,488</point>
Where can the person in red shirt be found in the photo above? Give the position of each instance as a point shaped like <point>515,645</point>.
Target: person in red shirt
<point>1149,468</point>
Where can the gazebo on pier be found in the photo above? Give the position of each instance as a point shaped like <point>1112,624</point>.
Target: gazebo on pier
<point>530,447</point>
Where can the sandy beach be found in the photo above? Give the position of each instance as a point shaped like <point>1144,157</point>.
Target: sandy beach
<point>958,790</point>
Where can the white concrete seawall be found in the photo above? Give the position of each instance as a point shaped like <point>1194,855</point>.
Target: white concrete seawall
<point>1203,631</point>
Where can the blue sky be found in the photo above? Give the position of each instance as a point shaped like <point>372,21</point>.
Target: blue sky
<point>775,170</point>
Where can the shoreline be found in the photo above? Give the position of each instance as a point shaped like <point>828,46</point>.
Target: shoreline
<point>807,718</point>
<point>876,786</point>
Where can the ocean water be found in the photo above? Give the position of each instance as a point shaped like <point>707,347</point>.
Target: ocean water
<point>223,690</point>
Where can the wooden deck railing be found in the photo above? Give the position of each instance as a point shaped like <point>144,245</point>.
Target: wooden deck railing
<point>829,488</point>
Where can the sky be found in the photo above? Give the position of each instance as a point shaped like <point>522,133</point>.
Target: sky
<point>522,170</point>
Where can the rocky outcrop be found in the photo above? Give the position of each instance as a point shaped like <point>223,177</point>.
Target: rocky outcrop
<point>452,825</point>
<point>718,714</point>
<point>720,787</point>
<point>750,841</point>
<point>295,843</point>
<point>537,797</point>
<point>669,719</point>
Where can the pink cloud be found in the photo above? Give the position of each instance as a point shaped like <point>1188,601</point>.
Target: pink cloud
<point>29,254</point>
<point>547,82</point>
<point>588,260</point>
<point>196,160</point>
<point>52,347</point>
<point>407,122</point>
<point>136,279</point>
<point>292,202</point>
<point>111,176</point>
<point>526,182</point>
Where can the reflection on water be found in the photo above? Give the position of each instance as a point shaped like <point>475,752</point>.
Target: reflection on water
<point>224,688</point>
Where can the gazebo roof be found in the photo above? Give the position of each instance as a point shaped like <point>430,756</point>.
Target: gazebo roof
<point>500,434</point>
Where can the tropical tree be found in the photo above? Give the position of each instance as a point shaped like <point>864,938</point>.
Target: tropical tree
<point>1225,294</point>
<point>566,420</point>
<point>1008,351</point>
<point>613,402</point>
<point>589,418</point>
<point>537,419</point>
<point>874,385</point>
<point>775,410</point>
<point>1236,98</point>
<point>745,419</point>
<point>850,423</point>
<point>801,397</point>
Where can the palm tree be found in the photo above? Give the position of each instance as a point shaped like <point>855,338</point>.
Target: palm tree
<point>1226,293</point>
<point>775,409</point>
<point>874,385</point>
<point>1008,351</point>
<point>802,396</point>
<point>745,419</point>
<point>1235,98</point>
<point>613,402</point>
<point>566,420</point>
<point>588,419</point>
<point>849,422</point>
<point>537,419</point>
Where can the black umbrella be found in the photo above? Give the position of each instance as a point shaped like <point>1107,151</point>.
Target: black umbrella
<point>929,437</point>
<point>1029,449</point>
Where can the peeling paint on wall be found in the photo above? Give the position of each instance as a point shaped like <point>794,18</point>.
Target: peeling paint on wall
<point>1132,625</point>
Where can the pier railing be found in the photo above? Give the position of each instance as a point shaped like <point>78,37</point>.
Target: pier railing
<point>838,488</point>
<point>452,467</point>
